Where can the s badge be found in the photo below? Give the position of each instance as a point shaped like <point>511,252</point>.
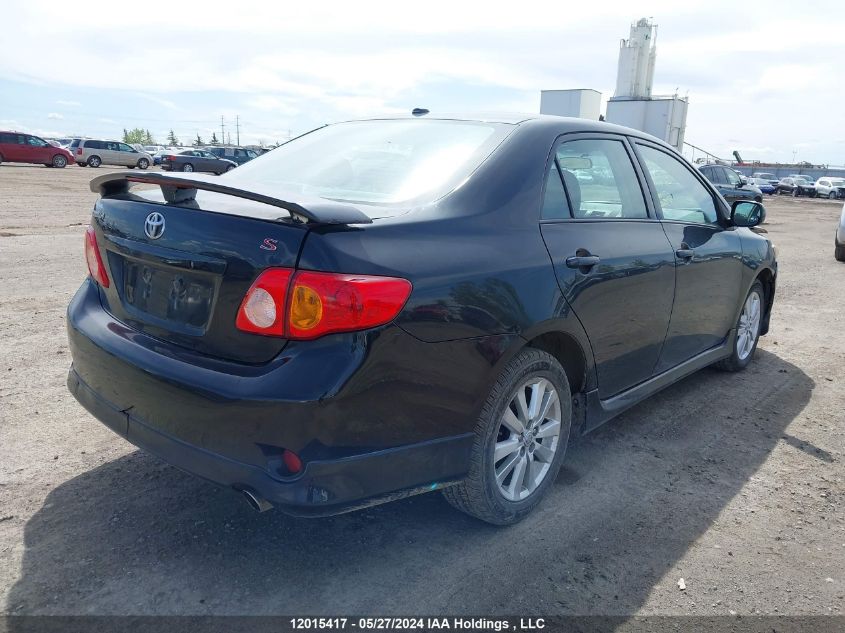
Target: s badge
<point>269,244</point>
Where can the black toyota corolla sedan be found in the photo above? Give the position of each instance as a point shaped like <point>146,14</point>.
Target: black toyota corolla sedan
<point>386,307</point>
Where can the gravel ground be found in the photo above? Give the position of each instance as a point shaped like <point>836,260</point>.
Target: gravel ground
<point>733,482</point>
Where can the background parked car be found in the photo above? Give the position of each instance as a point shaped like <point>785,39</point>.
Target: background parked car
<point>16,147</point>
<point>804,176</point>
<point>832,187</point>
<point>839,240</point>
<point>93,153</point>
<point>728,183</point>
<point>196,160</point>
<point>763,185</point>
<point>764,175</point>
<point>796,187</point>
<point>240,155</point>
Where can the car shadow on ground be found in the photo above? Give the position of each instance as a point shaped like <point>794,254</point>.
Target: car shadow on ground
<point>137,536</point>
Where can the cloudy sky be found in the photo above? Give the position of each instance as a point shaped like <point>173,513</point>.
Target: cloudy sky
<point>764,78</point>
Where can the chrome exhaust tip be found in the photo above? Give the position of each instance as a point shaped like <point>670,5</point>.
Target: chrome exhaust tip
<point>259,504</point>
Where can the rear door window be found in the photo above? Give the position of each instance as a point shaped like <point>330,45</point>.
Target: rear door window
<point>600,180</point>
<point>680,195</point>
<point>555,205</point>
<point>5,137</point>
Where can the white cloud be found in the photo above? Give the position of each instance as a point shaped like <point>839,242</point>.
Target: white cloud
<point>55,115</point>
<point>332,60</point>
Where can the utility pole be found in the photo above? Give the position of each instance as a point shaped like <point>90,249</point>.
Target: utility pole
<point>222,130</point>
<point>237,130</point>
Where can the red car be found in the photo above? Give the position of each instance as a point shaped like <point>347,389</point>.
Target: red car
<point>16,147</point>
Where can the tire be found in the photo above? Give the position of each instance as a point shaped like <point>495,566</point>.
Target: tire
<point>82,164</point>
<point>94,161</point>
<point>187,167</point>
<point>59,161</point>
<point>230,168</point>
<point>832,195</point>
<point>758,198</point>
<point>480,494</point>
<point>143,163</point>
<point>839,252</point>
<point>743,349</point>
<point>1,159</point>
<point>130,167</point>
<point>795,193</point>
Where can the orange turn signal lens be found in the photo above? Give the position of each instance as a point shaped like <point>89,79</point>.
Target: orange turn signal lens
<point>306,308</point>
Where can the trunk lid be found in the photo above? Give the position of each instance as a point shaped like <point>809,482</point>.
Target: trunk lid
<point>185,284</point>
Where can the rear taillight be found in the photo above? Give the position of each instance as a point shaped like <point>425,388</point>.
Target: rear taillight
<point>306,305</point>
<point>263,309</point>
<point>95,262</point>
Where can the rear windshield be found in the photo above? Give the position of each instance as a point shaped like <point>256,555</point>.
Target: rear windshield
<point>75,142</point>
<point>383,162</point>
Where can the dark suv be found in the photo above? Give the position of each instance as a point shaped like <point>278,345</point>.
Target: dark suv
<point>729,183</point>
<point>382,308</point>
<point>240,155</point>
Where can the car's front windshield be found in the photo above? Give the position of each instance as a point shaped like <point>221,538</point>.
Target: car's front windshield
<point>380,162</point>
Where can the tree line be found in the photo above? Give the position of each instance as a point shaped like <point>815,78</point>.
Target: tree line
<point>144,137</point>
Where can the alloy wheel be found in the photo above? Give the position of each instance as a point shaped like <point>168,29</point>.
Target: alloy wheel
<point>749,326</point>
<point>528,439</point>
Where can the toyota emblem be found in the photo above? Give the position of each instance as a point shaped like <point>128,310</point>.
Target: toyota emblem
<point>154,225</point>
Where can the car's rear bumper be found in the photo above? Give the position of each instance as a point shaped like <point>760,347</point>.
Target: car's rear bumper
<point>324,488</point>
<point>364,435</point>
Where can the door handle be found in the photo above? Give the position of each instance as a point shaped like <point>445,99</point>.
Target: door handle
<point>582,261</point>
<point>685,253</point>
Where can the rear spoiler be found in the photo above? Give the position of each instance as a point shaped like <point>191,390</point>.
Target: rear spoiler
<point>184,187</point>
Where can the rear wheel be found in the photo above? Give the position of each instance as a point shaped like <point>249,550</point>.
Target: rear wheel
<point>747,330</point>
<point>94,161</point>
<point>143,163</point>
<point>59,161</point>
<point>187,167</point>
<point>520,441</point>
<point>839,253</point>
<point>230,168</point>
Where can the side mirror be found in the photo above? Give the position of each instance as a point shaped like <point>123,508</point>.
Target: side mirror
<point>747,213</point>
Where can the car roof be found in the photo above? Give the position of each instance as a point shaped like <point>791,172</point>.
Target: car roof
<point>560,124</point>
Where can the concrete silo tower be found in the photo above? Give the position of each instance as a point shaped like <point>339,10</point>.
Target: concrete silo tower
<point>636,61</point>
<point>633,104</point>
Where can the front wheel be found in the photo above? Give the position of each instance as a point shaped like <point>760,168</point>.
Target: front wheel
<point>747,330</point>
<point>839,253</point>
<point>520,441</point>
<point>832,195</point>
<point>59,161</point>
